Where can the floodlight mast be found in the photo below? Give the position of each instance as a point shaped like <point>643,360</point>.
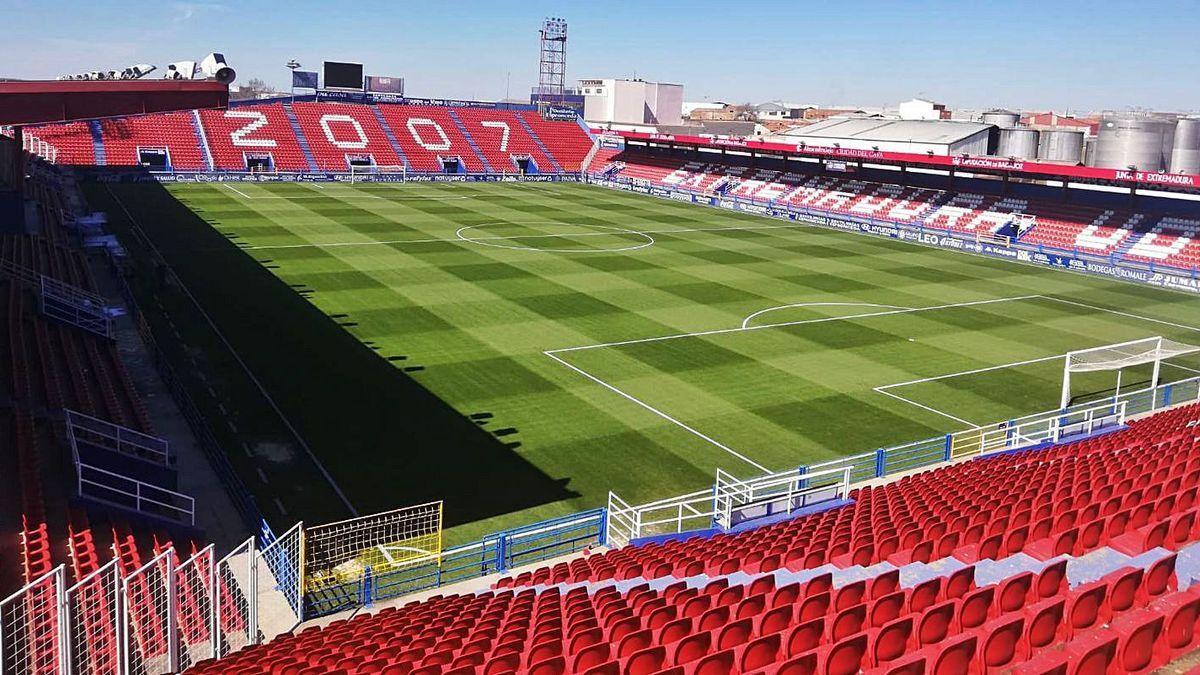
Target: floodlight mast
<point>552,62</point>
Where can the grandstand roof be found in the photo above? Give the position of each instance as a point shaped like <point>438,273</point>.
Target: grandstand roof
<point>41,101</point>
<point>875,129</point>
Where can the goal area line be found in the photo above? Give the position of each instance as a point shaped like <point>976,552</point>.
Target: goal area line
<point>558,355</point>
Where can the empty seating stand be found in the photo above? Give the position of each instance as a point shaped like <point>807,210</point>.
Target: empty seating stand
<point>339,134</point>
<point>500,136</point>
<point>968,510</point>
<point>126,138</point>
<point>72,140</point>
<point>238,134</point>
<point>1162,240</point>
<point>948,625</point>
<point>262,137</point>
<point>747,615</point>
<point>428,134</point>
<point>567,141</point>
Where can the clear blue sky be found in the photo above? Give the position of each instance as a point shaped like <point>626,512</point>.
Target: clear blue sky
<point>1078,55</point>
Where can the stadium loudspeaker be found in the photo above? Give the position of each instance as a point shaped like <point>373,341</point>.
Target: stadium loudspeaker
<point>214,66</point>
<point>180,70</point>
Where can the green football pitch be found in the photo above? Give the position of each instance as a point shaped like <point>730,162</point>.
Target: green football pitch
<point>521,349</point>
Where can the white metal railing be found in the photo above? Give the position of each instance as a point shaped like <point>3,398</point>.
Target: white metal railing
<point>163,617</point>
<point>93,482</point>
<point>736,500</point>
<point>116,438</point>
<point>109,487</point>
<point>666,516</point>
<point>1035,429</point>
<point>31,640</point>
<point>75,307</point>
<point>36,146</point>
<point>728,502</point>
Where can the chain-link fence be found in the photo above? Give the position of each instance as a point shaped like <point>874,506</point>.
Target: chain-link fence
<point>31,639</point>
<point>279,593</point>
<point>94,622</point>
<point>194,604</point>
<point>233,599</point>
<point>149,636</point>
<point>163,617</point>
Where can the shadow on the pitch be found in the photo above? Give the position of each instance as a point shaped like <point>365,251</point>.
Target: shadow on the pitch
<point>387,441</point>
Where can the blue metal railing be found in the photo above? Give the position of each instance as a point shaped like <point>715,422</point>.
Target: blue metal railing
<point>933,451</point>
<point>493,554</point>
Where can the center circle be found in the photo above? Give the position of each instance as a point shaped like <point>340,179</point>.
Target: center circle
<point>475,235</point>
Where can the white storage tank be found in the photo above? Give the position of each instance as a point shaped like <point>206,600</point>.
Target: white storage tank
<point>1185,153</point>
<point>1060,145</point>
<point>1001,118</point>
<point>1140,141</point>
<point>1018,142</point>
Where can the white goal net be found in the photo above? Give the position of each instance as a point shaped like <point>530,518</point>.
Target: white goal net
<point>341,552</point>
<point>1116,357</point>
<point>369,171</point>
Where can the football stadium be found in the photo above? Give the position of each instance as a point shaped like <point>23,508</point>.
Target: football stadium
<point>340,380</point>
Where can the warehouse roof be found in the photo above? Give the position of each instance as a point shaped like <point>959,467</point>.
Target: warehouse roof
<point>875,129</point>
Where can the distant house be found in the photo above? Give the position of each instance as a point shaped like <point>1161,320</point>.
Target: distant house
<point>921,109</point>
<point>818,114</point>
<point>772,110</point>
<point>1052,120</point>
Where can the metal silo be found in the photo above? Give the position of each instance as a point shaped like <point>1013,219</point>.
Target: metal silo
<point>1060,145</point>
<point>1001,118</point>
<point>1185,153</point>
<point>1018,142</point>
<point>1134,140</point>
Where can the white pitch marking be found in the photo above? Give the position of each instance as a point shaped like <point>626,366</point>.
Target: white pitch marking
<point>446,239</point>
<point>968,372</point>
<point>318,186</point>
<point>227,185</point>
<point>925,407</point>
<point>1119,313</point>
<point>720,331</point>
<point>746,321</point>
<point>661,414</point>
<point>483,240</point>
<point>356,195</point>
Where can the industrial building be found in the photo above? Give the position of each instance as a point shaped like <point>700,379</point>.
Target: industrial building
<point>940,137</point>
<point>631,102</point>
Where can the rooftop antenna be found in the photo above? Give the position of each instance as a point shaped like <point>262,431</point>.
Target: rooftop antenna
<point>552,62</point>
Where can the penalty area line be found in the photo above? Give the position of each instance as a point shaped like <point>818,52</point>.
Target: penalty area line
<point>925,407</point>
<point>230,187</point>
<point>764,326</point>
<point>660,413</point>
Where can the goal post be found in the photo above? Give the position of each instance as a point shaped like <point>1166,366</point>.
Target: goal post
<point>1116,357</point>
<point>341,553</point>
<point>358,171</point>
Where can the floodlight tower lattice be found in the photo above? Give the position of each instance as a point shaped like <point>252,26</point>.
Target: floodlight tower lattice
<point>552,61</point>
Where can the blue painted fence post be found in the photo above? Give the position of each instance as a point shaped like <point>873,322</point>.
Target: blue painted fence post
<point>880,463</point>
<point>803,482</point>
<point>502,552</point>
<point>1167,395</point>
<point>949,444</point>
<point>366,591</point>
<point>602,533</point>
